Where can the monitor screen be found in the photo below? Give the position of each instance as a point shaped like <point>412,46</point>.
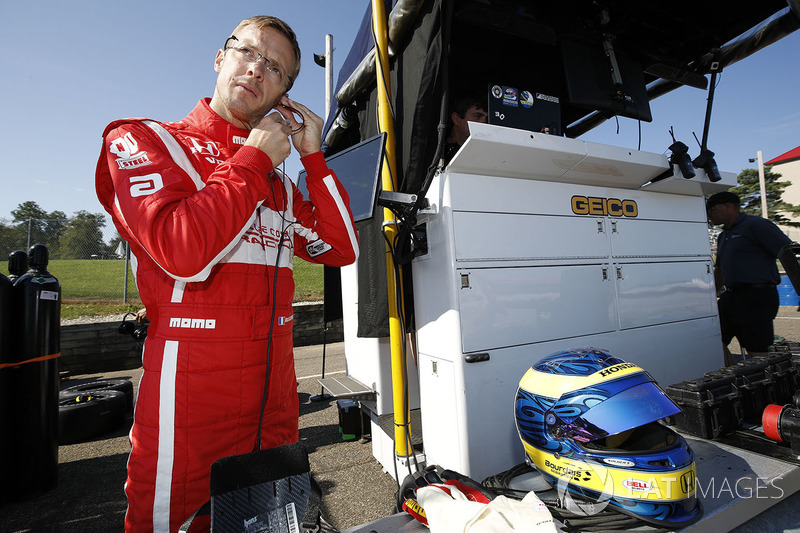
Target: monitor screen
<point>590,85</point>
<point>358,168</point>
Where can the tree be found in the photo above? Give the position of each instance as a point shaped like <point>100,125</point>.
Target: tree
<point>35,225</point>
<point>749,191</point>
<point>12,237</point>
<point>83,238</point>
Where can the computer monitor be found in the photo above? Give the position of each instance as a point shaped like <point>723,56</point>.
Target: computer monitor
<point>358,169</point>
<point>590,85</point>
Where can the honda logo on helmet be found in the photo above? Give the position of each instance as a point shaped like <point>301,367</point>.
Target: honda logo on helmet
<point>687,482</point>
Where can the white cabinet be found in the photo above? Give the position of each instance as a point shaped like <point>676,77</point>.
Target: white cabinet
<point>527,257</point>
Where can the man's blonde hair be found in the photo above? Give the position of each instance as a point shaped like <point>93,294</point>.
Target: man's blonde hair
<point>266,21</point>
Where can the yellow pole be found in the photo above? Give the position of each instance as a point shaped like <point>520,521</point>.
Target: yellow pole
<point>389,171</point>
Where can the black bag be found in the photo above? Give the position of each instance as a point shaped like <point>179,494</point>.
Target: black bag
<point>268,491</point>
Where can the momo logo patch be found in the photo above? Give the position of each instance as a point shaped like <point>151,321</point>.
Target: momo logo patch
<point>192,323</point>
<point>126,148</point>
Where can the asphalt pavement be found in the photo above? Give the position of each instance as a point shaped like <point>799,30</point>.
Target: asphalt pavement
<point>89,497</point>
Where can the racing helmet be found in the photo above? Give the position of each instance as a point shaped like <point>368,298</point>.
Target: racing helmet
<point>589,422</point>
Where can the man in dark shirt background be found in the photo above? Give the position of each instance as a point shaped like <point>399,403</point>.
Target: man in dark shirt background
<point>466,108</point>
<point>746,273</point>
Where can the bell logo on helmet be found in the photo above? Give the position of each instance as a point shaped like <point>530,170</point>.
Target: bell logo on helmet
<point>637,485</point>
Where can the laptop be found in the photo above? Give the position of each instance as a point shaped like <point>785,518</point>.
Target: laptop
<point>359,170</point>
<point>524,109</point>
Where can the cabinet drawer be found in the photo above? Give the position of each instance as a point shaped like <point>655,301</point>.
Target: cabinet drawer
<point>499,236</point>
<point>511,306</point>
<point>658,293</point>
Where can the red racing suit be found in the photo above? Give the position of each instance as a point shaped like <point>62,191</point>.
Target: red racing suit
<point>212,229</point>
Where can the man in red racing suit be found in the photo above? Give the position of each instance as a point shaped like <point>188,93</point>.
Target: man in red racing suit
<point>213,227</point>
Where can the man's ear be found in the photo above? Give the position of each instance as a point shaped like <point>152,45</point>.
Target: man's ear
<point>218,61</point>
<point>455,118</point>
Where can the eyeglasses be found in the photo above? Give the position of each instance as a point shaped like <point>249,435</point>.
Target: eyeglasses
<point>273,69</point>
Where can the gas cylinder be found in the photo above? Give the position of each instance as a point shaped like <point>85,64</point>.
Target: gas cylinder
<point>32,379</point>
<point>17,264</point>
<point>5,340</point>
<point>6,288</point>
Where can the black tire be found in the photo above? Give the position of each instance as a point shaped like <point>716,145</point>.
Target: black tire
<point>82,416</point>
<point>121,385</point>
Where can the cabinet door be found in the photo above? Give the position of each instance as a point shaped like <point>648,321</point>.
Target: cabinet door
<point>658,238</point>
<point>506,236</point>
<point>658,293</point>
<point>511,306</point>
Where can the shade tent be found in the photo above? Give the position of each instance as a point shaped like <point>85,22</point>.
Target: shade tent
<point>441,48</point>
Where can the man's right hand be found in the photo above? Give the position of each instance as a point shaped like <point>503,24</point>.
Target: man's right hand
<point>271,136</point>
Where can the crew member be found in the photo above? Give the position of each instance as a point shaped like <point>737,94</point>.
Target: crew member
<point>466,109</point>
<point>213,226</point>
<point>747,274</point>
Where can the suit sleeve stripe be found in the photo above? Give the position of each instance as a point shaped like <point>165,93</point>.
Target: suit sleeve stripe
<point>177,153</point>
<point>343,211</point>
<point>180,158</point>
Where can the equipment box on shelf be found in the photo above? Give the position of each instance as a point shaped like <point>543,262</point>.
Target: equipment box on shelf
<point>783,371</point>
<point>755,384</point>
<point>790,347</point>
<point>711,405</point>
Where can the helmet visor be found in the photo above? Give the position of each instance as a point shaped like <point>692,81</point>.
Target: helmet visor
<point>631,408</point>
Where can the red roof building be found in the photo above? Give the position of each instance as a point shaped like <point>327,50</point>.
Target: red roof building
<point>791,155</point>
<point>788,166</point>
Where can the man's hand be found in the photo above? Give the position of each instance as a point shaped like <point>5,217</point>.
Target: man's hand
<point>271,136</point>
<point>307,136</point>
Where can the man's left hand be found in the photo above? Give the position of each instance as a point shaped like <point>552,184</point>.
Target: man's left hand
<point>307,138</point>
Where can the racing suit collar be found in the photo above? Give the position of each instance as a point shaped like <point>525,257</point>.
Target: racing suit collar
<point>203,118</point>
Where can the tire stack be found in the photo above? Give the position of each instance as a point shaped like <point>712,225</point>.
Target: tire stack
<point>92,409</point>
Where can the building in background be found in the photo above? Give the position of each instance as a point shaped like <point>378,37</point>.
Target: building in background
<point>788,166</point>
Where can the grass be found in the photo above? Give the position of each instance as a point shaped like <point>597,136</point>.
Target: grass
<point>96,287</point>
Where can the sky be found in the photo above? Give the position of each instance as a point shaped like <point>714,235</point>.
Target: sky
<point>70,68</point>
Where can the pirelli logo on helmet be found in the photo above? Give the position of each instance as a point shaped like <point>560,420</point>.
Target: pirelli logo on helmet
<point>192,323</point>
<point>598,206</point>
<point>616,368</point>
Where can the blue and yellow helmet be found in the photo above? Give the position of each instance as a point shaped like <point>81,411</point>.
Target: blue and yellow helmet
<point>589,423</point>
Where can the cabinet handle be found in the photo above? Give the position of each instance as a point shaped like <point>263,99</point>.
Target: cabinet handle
<point>605,274</point>
<point>599,226</point>
<point>614,226</point>
<point>619,273</point>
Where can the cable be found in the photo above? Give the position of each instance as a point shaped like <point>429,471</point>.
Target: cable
<point>379,60</point>
<point>401,317</point>
<point>607,519</point>
<point>274,299</point>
